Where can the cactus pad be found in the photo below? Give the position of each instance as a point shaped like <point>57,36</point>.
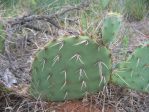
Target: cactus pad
<point>69,69</point>
<point>134,73</point>
<point>111,26</point>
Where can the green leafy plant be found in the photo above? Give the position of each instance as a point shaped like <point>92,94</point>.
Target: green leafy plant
<point>8,3</point>
<point>13,8</point>
<point>135,9</point>
<point>48,6</point>
<point>2,38</point>
<point>125,41</point>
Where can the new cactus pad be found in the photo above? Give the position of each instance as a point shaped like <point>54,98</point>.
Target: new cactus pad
<point>111,26</point>
<point>134,73</point>
<point>70,68</point>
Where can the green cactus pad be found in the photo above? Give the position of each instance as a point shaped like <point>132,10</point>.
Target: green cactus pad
<point>2,38</point>
<point>134,73</point>
<point>111,26</point>
<point>69,69</point>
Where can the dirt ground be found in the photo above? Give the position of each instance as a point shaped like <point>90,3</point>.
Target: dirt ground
<point>112,99</point>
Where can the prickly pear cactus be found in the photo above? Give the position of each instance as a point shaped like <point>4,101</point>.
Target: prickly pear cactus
<point>2,38</point>
<point>134,73</point>
<point>111,26</point>
<point>69,69</point>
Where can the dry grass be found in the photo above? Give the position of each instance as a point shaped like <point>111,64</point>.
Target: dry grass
<point>113,99</point>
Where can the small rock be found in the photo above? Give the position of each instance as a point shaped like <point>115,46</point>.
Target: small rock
<point>8,78</point>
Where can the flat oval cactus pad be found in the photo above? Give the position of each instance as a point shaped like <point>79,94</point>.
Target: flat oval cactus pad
<point>69,69</point>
